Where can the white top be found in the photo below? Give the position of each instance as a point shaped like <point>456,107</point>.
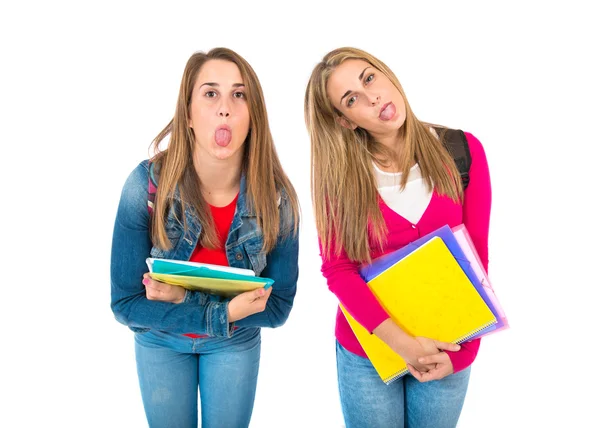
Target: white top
<point>413,200</point>
<point>410,202</point>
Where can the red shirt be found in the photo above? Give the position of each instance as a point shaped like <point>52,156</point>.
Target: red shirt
<point>222,216</point>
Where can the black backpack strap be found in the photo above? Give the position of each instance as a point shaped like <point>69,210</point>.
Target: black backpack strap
<point>455,142</point>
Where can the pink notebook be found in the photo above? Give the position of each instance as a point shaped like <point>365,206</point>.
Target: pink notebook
<point>466,244</point>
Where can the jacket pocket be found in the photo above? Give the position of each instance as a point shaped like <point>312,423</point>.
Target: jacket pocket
<point>257,257</point>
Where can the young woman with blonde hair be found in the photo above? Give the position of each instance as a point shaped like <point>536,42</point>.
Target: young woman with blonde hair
<point>381,178</point>
<point>221,197</point>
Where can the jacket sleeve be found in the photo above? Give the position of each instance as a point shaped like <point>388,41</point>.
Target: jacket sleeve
<point>476,218</point>
<point>282,267</point>
<point>131,246</point>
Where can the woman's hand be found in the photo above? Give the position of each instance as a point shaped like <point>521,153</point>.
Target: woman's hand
<point>411,349</point>
<point>248,303</point>
<point>432,346</point>
<point>442,367</point>
<point>437,361</point>
<point>156,290</point>
<point>419,352</point>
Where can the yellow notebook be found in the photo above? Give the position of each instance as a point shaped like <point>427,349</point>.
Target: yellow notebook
<point>222,287</point>
<point>427,294</point>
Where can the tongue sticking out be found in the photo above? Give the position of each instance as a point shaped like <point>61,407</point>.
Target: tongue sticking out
<point>223,137</point>
<point>388,112</point>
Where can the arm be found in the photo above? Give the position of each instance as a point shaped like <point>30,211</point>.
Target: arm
<point>282,267</point>
<point>344,280</point>
<point>476,218</point>
<point>131,246</point>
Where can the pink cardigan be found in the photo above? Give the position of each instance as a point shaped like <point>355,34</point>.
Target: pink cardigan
<point>351,290</point>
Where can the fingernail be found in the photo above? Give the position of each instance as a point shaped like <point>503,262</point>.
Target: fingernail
<point>145,281</point>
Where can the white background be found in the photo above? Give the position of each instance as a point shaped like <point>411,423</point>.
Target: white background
<point>86,86</point>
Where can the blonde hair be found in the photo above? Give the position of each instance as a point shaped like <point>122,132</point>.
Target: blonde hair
<point>265,177</point>
<point>343,184</point>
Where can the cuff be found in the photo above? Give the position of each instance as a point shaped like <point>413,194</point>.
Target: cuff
<point>465,357</point>
<point>195,297</point>
<point>188,296</point>
<point>217,321</point>
<point>376,319</point>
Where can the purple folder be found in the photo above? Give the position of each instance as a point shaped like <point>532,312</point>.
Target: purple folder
<point>370,271</point>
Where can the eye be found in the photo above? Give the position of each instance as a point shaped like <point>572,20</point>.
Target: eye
<point>369,78</point>
<point>351,101</point>
<point>210,94</point>
<point>239,94</point>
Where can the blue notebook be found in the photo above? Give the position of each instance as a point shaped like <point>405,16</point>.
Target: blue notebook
<point>370,271</point>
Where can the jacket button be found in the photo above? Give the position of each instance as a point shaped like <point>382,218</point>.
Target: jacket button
<point>413,226</point>
<point>238,256</point>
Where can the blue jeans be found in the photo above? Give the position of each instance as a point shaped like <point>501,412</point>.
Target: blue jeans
<point>172,367</point>
<point>368,402</point>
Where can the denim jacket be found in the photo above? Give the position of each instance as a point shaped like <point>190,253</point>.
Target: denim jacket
<point>199,312</point>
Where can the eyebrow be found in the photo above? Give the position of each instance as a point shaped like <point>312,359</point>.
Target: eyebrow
<point>360,77</point>
<point>216,85</point>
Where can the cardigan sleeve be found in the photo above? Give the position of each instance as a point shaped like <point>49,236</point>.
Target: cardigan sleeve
<point>351,290</point>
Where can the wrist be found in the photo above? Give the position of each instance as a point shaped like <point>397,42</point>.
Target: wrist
<point>394,336</point>
<point>180,295</point>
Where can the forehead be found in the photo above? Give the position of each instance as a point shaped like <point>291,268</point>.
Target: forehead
<point>219,71</point>
<point>345,77</point>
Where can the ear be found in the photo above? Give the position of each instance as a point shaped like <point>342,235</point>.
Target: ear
<point>346,123</point>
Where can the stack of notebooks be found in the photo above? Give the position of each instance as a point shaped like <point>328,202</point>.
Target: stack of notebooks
<point>214,279</point>
<point>435,287</point>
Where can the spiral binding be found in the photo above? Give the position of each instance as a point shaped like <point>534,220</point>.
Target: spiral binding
<point>473,333</point>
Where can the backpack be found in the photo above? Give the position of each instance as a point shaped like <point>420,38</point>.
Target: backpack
<point>455,142</point>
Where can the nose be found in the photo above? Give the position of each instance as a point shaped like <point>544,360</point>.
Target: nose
<point>374,99</point>
<point>224,109</point>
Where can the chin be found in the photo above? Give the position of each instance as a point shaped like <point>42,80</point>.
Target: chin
<point>224,153</point>
<point>399,121</point>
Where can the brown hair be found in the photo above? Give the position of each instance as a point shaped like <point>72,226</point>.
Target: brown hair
<point>343,184</point>
<point>264,175</point>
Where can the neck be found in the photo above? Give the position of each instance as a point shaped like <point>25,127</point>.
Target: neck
<point>219,178</point>
<point>394,142</point>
